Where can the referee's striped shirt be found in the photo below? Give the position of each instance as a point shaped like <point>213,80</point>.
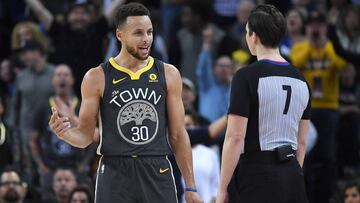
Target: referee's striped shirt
<point>274,96</point>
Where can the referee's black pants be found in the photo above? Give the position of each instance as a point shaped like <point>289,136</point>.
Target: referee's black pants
<point>261,178</point>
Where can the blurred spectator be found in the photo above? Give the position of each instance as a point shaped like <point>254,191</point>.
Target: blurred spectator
<point>295,23</point>
<point>188,94</point>
<point>31,95</point>
<point>237,30</point>
<point>27,31</point>
<point>205,163</point>
<point>84,47</point>
<point>48,151</point>
<point>349,29</point>
<point>233,43</point>
<point>158,48</point>
<point>224,12</point>
<point>7,87</point>
<point>213,80</point>
<point>334,8</point>
<point>12,187</point>
<point>170,12</point>
<point>348,134</point>
<point>344,34</point>
<point>351,193</point>
<point>308,5</point>
<point>5,149</point>
<point>188,41</point>
<point>11,12</point>
<point>80,194</point>
<point>317,60</point>
<point>64,182</point>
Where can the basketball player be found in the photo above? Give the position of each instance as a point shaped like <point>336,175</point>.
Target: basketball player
<point>268,120</point>
<point>137,99</point>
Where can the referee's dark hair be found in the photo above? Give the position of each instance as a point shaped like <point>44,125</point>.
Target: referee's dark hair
<point>130,9</point>
<point>268,23</point>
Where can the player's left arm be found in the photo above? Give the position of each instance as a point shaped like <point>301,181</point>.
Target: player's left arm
<point>179,139</point>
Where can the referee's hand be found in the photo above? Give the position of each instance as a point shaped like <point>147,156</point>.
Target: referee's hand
<point>59,125</point>
<point>193,197</point>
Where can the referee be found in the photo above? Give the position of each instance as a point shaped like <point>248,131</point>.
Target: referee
<point>268,120</point>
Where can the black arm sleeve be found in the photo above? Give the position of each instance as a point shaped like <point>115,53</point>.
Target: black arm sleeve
<point>240,95</point>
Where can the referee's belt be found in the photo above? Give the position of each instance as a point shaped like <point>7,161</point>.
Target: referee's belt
<point>280,155</point>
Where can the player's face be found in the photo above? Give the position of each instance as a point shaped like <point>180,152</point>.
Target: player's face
<point>63,79</point>
<point>352,195</point>
<point>136,36</point>
<point>79,197</point>
<point>250,41</point>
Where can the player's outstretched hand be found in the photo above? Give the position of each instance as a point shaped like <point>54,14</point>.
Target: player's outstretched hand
<point>59,125</point>
<point>193,197</point>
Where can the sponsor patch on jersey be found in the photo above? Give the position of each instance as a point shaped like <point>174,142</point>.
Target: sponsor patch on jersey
<point>153,77</point>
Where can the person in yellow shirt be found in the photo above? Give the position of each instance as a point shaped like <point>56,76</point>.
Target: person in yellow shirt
<point>317,60</point>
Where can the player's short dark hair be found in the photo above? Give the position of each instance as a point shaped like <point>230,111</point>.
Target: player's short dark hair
<point>268,23</point>
<point>130,9</point>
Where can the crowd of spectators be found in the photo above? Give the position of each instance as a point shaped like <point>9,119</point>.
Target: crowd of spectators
<point>48,45</point>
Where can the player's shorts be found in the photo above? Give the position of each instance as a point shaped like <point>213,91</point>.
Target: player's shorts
<point>133,179</point>
<point>261,178</point>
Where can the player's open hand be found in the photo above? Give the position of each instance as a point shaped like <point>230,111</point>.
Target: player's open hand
<point>59,125</point>
<point>64,108</point>
<point>193,197</point>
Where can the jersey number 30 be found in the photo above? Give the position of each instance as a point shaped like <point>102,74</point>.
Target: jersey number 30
<point>287,88</point>
<point>140,133</point>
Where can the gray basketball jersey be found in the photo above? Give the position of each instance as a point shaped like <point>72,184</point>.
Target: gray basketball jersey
<point>132,117</point>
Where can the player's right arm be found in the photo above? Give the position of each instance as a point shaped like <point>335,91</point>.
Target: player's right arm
<point>82,135</point>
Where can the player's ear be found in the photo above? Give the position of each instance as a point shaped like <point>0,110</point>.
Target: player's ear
<point>118,34</point>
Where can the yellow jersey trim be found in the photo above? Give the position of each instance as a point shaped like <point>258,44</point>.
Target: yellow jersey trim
<point>137,74</point>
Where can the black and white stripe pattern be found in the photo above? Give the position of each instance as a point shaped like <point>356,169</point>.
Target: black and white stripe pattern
<point>273,92</point>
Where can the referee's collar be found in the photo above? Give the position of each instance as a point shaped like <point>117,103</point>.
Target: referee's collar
<point>279,63</point>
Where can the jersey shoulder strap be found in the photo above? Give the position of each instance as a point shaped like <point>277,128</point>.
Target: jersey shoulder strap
<point>161,70</point>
